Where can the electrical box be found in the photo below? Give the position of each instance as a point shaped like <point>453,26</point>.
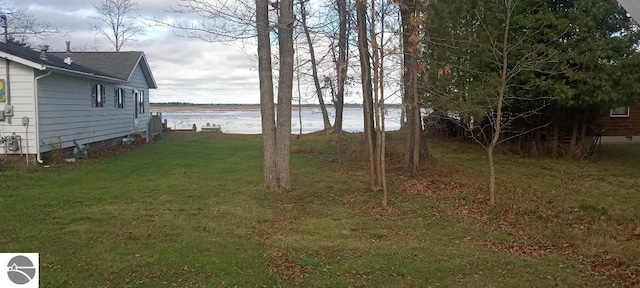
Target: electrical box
<point>25,120</point>
<point>8,110</point>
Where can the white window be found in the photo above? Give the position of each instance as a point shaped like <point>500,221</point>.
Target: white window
<point>620,112</point>
<point>141,102</point>
<point>97,95</point>
<point>118,99</point>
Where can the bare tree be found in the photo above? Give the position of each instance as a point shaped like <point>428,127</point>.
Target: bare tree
<point>504,49</point>
<point>266,93</point>
<point>117,21</point>
<point>286,21</point>
<point>314,66</point>
<point>378,52</point>
<point>229,21</point>
<point>23,27</point>
<point>220,21</point>
<point>342,61</point>
<point>411,49</point>
<point>367,89</point>
<point>478,90</point>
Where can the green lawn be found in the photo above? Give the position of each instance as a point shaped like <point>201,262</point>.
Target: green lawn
<point>190,211</point>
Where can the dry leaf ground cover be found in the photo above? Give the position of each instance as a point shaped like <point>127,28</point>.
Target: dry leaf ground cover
<point>189,211</point>
<point>585,210</point>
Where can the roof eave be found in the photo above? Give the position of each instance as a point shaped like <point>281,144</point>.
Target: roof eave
<point>22,61</point>
<point>86,75</point>
<point>146,70</point>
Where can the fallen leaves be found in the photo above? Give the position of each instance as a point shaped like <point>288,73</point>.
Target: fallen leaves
<point>522,249</point>
<point>522,215</point>
<point>285,264</point>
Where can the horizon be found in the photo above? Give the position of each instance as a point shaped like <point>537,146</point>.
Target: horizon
<point>249,104</point>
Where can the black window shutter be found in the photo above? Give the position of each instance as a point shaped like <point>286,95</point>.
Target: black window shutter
<point>136,102</point>
<point>115,97</point>
<point>94,92</point>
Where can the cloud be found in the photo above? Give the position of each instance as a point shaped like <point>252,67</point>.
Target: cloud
<point>185,70</point>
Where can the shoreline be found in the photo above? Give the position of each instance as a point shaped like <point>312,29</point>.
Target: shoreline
<point>188,107</point>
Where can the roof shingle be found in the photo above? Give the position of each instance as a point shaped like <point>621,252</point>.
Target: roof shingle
<point>51,60</point>
<point>113,64</point>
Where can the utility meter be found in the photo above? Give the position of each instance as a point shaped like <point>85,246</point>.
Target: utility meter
<point>8,110</point>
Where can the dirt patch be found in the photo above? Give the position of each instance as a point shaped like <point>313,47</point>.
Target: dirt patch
<point>113,151</point>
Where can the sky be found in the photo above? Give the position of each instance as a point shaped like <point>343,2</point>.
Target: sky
<point>632,6</point>
<point>185,70</point>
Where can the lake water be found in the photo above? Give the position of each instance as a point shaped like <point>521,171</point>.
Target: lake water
<point>248,121</point>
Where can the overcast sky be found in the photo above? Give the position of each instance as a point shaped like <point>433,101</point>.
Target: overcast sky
<point>185,70</point>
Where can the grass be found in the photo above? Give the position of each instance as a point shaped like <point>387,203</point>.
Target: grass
<point>190,211</point>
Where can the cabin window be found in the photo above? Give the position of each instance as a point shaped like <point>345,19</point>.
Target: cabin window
<point>118,99</point>
<point>141,102</point>
<point>620,112</point>
<point>97,95</point>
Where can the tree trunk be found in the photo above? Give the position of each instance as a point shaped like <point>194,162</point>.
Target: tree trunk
<point>314,67</point>
<point>378,82</point>
<point>375,65</point>
<point>492,175</point>
<point>574,139</point>
<point>285,91</point>
<point>299,91</point>
<point>537,147</point>
<point>502,90</point>
<point>583,134</point>
<point>266,94</point>
<point>555,145</point>
<point>409,141</point>
<point>341,63</point>
<point>403,81</point>
<point>367,97</point>
<point>417,129</point>
<point>411,48</point>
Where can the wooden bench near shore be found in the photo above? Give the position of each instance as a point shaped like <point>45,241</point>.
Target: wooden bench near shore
<point>210,128</point>
<point>205,128</point>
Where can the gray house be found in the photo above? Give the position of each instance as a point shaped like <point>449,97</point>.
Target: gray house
<point>49,100</point>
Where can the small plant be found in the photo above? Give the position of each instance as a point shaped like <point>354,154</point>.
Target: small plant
<point>55,153</point>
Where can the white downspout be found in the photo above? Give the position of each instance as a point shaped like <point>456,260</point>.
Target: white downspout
<point>36,120</point>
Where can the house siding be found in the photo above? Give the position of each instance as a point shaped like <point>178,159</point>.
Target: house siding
<point>137,81</point>
<point>22,100</point>
<point>621,126</point>
<point>66,114</point>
